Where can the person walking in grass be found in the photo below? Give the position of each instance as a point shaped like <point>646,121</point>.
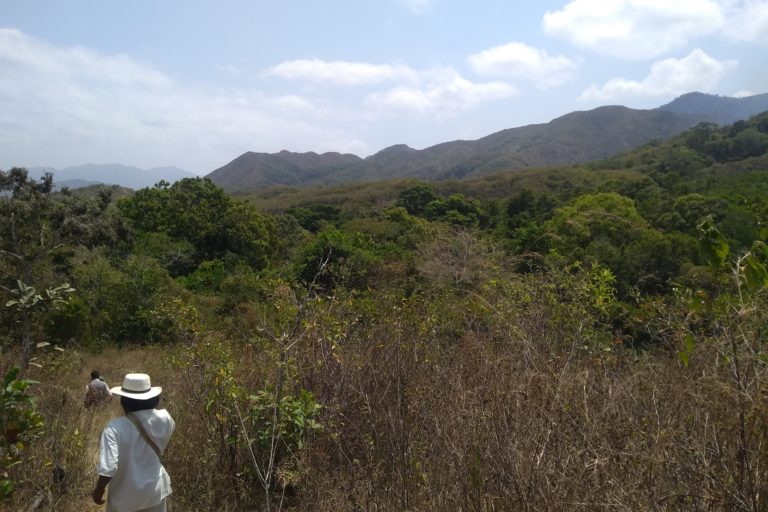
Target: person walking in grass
<point>96,392</point>
<point>130,449</point>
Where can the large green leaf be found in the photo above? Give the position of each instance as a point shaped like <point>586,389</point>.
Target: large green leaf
<point>713,244</point>
<point>755,266</point>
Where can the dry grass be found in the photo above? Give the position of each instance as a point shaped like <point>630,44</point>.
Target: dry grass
<point>60,472</point>
<point>505,401</point>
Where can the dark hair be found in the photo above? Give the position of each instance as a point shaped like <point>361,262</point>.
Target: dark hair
<point>95,374</point>
<point>132,404</point>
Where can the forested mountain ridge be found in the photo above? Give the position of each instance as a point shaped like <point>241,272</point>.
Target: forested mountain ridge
<point>576,137</point>
<point>283,168</point>
<point>718,109</point>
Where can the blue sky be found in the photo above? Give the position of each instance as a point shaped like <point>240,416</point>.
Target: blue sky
<point>195,84</point>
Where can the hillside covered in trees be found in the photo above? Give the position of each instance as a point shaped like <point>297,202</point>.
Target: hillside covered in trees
<point>577,137</point>
<point>559,338</point>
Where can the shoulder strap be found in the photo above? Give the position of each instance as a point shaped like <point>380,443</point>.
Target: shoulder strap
<point>143,433</point>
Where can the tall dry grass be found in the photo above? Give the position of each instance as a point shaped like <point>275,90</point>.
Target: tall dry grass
<point>512,396</point>
<point>522,414</point>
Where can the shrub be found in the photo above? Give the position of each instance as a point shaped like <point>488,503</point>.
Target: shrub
<point>20,423</point>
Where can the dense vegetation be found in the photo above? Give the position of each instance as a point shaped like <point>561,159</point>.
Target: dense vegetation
<point>561,338</point>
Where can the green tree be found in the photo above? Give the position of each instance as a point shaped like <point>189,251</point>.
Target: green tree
<point>606,228</point>
<point>123,298</point>
<point>520,208</point>
<point>197,211</point>
<point>314,218</point>
<point>35,222</point>
<point>27,302</point>
<point>415,199</point>
<point>688,210</point>
<point>591,217</point>
<point>35,225</point>
<point>456,210</point>
<point>337,258</point>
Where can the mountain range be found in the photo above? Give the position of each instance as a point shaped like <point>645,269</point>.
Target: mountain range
<point>573,138</point>
<point>112,174</point>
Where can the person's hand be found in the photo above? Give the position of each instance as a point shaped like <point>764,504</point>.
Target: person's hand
<point>98,496</point>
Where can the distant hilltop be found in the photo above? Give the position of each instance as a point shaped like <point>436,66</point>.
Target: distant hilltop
<point>570,139</point>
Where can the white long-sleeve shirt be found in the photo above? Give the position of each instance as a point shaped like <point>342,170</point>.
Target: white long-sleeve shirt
<point>139,480</point>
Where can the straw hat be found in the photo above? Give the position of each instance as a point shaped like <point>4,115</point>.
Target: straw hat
<point>137,386</point>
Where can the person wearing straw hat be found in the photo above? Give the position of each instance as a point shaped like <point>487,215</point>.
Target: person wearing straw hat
<point>130,449</point>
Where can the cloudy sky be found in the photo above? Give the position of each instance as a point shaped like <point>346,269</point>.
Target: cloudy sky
<point>195,84</point>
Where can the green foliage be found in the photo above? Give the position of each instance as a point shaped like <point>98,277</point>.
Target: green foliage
<point>394,235</point>
<point>602,289</point>
<point>651,262</point>
<point>20,423</point>
<point>607,228</point>
<point>241,285</point>
<point>591,217</point>
<point>681,160</point>
<point>713,244</point>
<point>456,210</point>
<point>206,278</point>
<point>748,143</point>
<point>699,135</point>
<point>68,322</point>
<point>744,139</point>
<point>290,422</point>
<point>27,302</point>
<point>197,211</point>
<point>753,267</point>
<point>36,226</point>
<point>121,298</point>
<point>687,351</point>
<point>689,210</point>
<point>415,199</point>
<point>338,258</point>
<point>35,222</point>
<point>315,217</point>
<point>177,256</point>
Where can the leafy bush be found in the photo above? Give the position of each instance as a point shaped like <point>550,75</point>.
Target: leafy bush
<point>207,277</point>
<point>20,423</point>
<point>314,218</point>
<point>197,211</point>
<point>338,258</point>
<point>68,322</point>
<point>288,424</point>
<point>121,299</point>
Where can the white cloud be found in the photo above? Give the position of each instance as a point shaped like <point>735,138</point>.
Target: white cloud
<point>293,102</point>
<point>230,69</point>
<point>747,20</point>
<point>341,72</point>
<point>635,29</point>
<point>420,6</point>
<point>518,60</point>
<point>436,91</point>
<point>669,77</point>
<point>67,106</point>
<point>63,106</point>
<point>27,55</point>
<point>445,94</point>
